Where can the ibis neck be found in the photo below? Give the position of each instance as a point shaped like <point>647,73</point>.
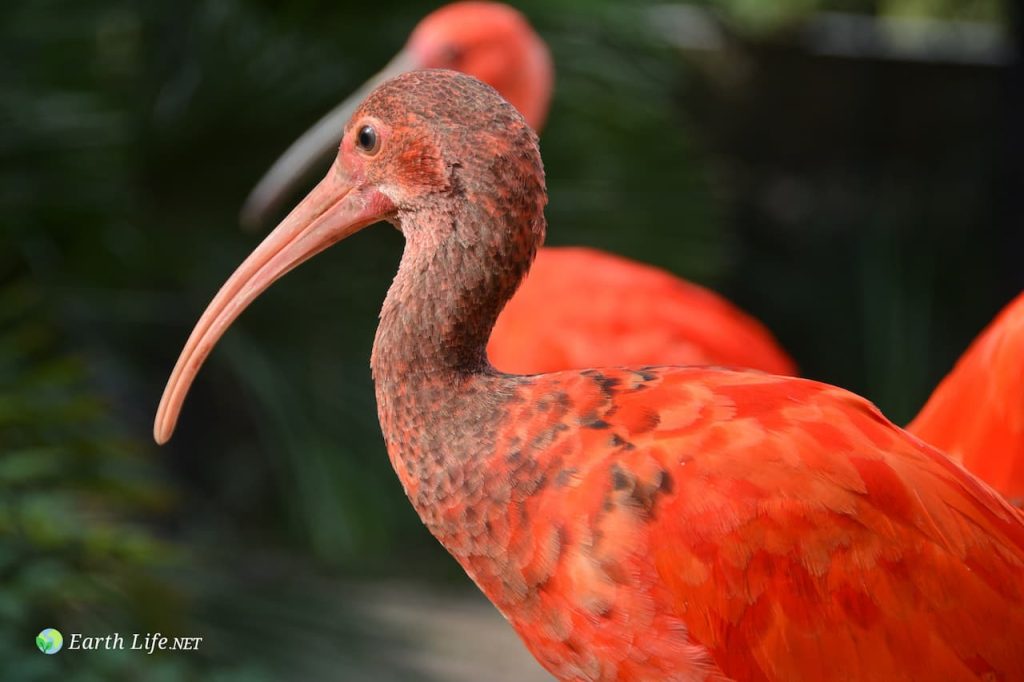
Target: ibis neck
<point>441,405</point>
<point>439,402</point>
<point>458,271</point>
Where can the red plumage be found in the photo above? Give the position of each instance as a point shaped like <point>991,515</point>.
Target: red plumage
<point>756,527</point>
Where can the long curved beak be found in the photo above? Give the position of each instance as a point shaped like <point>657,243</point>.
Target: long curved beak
<point>334,210</point>
<point>313,147</point>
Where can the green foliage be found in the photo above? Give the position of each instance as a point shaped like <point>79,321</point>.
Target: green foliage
<point>756,18</point>
<point>74,496</point>
<point>960,10</point>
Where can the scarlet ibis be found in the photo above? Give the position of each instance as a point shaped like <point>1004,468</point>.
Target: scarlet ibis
<point>652,523</point>
<point>598,309</point>
<point>976,415</point>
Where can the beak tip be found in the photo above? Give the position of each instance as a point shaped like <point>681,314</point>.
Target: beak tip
<point>162,431</point>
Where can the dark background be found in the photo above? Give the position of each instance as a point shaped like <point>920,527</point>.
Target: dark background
<point>865,203</point>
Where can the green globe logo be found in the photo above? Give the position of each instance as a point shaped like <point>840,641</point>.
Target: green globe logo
<point>49,641</point>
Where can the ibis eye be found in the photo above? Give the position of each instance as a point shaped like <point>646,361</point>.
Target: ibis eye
<point>366,139</point>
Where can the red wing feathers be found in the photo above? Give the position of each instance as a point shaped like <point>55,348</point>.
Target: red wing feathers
<point>779,528</point>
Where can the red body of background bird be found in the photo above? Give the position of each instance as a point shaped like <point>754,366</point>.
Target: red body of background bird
<point>581,307</point>
<point>976,415</point>
<point>599,309</point>
<point>667,524</point>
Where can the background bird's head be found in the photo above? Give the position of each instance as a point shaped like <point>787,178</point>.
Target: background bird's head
<point>493,42</point>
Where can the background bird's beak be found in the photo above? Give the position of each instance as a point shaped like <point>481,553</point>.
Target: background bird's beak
<point>314,146</point>
<point>334,210</point>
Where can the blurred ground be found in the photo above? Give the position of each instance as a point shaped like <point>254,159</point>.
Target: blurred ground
<point>455,636</point>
